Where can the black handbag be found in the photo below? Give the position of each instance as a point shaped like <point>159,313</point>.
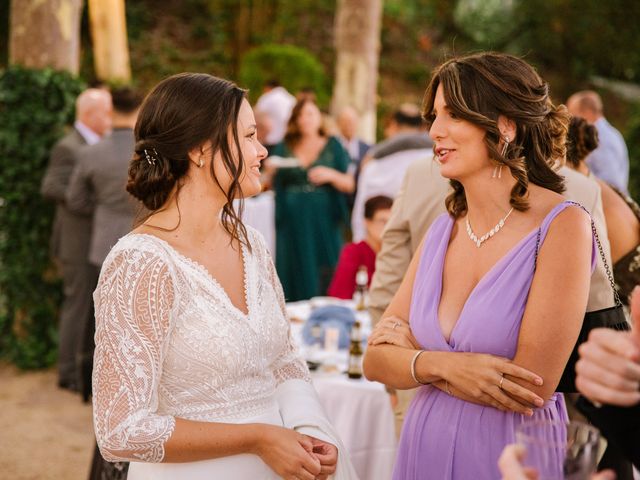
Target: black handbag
<point>612,317</point>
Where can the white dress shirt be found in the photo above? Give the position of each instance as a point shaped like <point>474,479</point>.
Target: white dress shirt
<point>277,103</point>
<point>610,161</point>
<point>382,176</point>
<point>89,135</point>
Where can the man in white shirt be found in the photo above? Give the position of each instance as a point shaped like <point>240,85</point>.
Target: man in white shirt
<point>610,161</point>
<point>276,102</point>
<point>383,175</point>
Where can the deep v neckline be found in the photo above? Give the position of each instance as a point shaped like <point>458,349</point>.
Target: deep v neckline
<point>482,280</point>
<point>207,274</point>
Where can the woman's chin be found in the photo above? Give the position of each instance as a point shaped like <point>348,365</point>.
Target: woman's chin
<point>251,188</point>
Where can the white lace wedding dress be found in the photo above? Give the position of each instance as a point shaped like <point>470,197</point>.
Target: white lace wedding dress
<point>169,343</point>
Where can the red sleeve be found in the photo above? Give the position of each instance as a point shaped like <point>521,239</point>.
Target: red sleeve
<point>343,283</point>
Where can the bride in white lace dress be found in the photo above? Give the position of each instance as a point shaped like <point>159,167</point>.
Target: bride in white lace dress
<point>195,374</point>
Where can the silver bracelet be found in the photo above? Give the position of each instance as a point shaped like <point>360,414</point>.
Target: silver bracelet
<point>413,367</point>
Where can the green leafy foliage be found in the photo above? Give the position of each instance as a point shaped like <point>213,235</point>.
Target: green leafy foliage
<point>294,67</point>
<point>35,105</point>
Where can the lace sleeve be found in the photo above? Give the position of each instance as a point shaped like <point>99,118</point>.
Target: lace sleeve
<point>133,303</point>
<point>289,364</point>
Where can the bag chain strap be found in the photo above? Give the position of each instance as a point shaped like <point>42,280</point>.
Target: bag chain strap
<point>600,249</point>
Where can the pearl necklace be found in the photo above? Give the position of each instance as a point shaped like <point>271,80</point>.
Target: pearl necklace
<point>489,234</point>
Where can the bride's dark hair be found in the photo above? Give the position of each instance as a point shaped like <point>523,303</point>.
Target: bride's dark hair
<point>180,114</point>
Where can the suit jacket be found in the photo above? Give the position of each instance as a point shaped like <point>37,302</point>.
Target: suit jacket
<point>71,231</point>
<point>421,200</point>
<point>98,185</point>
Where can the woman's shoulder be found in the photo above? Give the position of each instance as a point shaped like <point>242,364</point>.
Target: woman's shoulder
<point>139,249</point>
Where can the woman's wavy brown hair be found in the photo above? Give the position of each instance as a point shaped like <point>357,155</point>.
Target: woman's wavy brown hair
<point>293,135</point>
<point>479,88</point>
<point>180,114</point>
<point>581,141</point>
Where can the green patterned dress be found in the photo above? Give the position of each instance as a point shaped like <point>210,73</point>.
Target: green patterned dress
<point>309,221</point>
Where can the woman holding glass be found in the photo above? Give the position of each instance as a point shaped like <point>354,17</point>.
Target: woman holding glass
<point>479,310</point>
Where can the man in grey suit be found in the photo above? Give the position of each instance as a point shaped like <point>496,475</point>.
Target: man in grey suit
<point>70,236</point>
<point>97,187</point>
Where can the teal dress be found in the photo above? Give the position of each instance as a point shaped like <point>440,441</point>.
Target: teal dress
<point>309,221</point>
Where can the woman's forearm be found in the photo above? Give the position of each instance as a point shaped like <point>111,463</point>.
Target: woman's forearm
<point>192,441</point>
<point>391,365</point>
<point>344,182</point>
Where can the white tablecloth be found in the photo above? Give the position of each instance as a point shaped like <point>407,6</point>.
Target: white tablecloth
<point>360,410</point>
<point>361,413</point>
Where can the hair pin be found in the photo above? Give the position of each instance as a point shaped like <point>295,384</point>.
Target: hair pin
<point>151,157</point>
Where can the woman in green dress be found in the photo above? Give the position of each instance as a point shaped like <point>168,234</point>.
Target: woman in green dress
<point>311,207</point>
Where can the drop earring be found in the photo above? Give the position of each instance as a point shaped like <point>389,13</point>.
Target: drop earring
<point>497,172</point>
<point>201,164</point>
<point>505,147</point>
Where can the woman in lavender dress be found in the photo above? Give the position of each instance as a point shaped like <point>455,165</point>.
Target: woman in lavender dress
<point>478,313</point>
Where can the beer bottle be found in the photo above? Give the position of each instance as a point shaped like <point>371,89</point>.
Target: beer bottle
<point>355,352</point>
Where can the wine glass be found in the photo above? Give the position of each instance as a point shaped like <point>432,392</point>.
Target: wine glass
<point>559,450</point>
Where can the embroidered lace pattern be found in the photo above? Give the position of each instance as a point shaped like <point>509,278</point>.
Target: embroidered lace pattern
<point>170,343</point>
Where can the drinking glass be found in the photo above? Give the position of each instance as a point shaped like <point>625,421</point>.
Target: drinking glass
<point>559,450</point>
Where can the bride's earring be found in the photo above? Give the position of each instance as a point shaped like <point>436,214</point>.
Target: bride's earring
<point>201,164</point>
<point>497,172</point>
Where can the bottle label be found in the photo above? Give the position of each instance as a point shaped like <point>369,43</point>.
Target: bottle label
<point>355,365</point>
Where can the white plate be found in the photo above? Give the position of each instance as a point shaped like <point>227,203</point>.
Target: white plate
<point>283,162</point>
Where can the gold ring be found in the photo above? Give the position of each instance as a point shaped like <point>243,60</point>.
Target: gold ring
<point>501,380</point>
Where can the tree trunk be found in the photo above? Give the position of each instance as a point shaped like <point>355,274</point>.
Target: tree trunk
<point>357,34</point>
<point>45,34</point>
<point>109,36</point>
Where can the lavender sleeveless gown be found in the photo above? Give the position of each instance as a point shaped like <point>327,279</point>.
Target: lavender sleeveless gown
<point>444,437</point>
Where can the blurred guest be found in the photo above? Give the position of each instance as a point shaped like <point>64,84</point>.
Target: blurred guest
<point>377,211</point>
<point>306,93</point>
<point>310,205</point>
<point>383,175</point>
<point>511,468</point>
<point>97,187</point>
<point>347,121</point>
<point>608,373</point>
<point>621,213</point>
<point>277,102</point>
<point>264,126</point>
<point>610,161</point>
<point>404,131</point>
<point>71,231</point>
<point>348,125</point>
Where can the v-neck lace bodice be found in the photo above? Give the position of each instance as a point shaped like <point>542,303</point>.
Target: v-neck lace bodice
<point>170,343</point>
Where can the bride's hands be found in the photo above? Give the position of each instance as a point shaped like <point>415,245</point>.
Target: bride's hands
<point>483,377</point>
<point>394,331</point>
<point>288,453</point>
<point>327,455</point>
